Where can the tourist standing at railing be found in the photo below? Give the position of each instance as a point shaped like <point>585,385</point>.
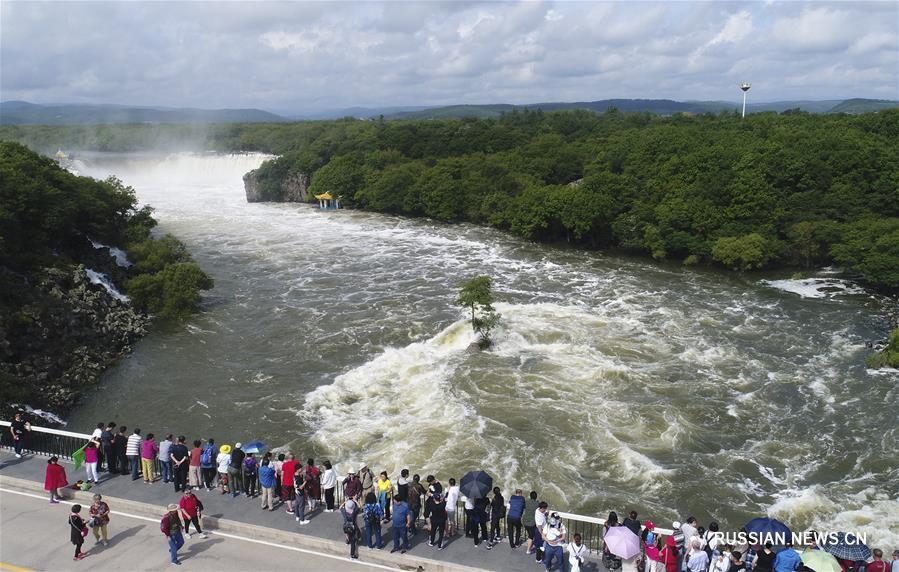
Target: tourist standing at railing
<point>91,461</point>
<point>400,524</point>
<point>632,524</point>
<point>352,488</point>
<point>414,493</point>
<point>329,485</point>
<point>267,484</point>
<point>207,463</point>
<point>350,511</point>
<point>250,470</point>
<point>133,452</point>
<point>120,444</point>
<point>577,553</point>
<point>165,459</point>
<point>653,549</point>
<point>299,487</point>
<point>148,453</point>
<point>539,523</point>
<point>611,561</point>
<point>278,465</point>
<point>193,467</point>
<point>191,511</point>
<point>437,513</point>
<point>313,484</point>
<point>513,518</point>
<point>95,436</point>
<point>223,463</point>
<point>235,471</point>
<point>77,531</point>
<point>497,514</point>
<point>107,438</point>
<point>479,523</point>
<point>371,520</point>
<point>385,494</point>
<point>402,485</point>
<point>180,457</point>
<point>288,490</point>
<point>19,428</point>
<point>553,538</point>
<point>697,560</point>
<point>452,499</point>
<point>528,520</point>
<point>99,513</point>
<point>54,479</point>
<point>669,554</point>
<point>367,478</point>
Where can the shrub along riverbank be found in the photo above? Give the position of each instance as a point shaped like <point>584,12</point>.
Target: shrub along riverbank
<point>60,326</point>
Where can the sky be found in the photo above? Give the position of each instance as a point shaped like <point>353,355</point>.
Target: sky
<point>309,56</point>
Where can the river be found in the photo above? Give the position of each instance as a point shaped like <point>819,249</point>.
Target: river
<point>614,383</point>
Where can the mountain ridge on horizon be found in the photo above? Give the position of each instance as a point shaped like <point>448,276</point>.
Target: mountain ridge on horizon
<point>19,112</point>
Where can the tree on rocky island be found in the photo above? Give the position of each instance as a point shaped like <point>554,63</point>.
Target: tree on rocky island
<point>476,295</point>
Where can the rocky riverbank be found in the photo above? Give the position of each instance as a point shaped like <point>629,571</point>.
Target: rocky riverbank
<point>67,329</point>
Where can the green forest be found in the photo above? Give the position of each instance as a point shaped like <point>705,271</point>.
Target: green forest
<point>48,215</point>
<point>790,189</point>
<point>771,190</point>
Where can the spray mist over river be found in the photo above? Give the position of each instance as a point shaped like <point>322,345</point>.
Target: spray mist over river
<point>615,382</point>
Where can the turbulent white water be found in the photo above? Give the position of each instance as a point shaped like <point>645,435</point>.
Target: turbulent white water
<point>103,280</point>
<point>614,382</point>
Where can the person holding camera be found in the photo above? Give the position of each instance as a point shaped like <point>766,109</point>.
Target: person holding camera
<point>99,518</point>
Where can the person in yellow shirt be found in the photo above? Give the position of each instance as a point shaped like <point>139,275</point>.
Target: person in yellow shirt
<point>385,494</point>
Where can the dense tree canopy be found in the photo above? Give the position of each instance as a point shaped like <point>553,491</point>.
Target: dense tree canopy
<point>792,189</point>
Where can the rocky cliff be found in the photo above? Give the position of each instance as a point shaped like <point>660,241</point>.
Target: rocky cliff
<point>293,189</point>
<point>68,328</point>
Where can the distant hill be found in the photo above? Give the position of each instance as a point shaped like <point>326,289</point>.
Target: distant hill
<point>657,106</point>
<point>24,113</point>
<point>858,105</point>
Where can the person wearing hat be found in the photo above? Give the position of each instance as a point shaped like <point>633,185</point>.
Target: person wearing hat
<point>235,471</point>
<point>352,487</point>
<point>367,477</point>
<point>170,525</point>
<point>222,463</point>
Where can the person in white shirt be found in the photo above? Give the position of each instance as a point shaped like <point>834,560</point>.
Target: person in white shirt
<point>539,524</point>
<point>222,462</point>
<point>720,562</point>
<point>553,540</point>
<point>452,500</point>
<point>329,483</point>
<point>577,553</point>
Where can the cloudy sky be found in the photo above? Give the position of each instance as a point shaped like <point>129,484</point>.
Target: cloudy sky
<point>306,56</point>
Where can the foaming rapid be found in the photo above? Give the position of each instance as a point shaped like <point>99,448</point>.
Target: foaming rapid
<point>613,383</point>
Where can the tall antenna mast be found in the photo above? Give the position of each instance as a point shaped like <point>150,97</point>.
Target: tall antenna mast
<point>745,87</point>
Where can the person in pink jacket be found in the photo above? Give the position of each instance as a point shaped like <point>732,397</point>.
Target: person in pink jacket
<point>148,452</point>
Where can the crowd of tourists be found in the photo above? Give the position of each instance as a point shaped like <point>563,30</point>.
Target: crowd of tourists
<point>410,506</point>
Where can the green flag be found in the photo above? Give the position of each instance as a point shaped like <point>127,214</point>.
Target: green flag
<point>78,457</point>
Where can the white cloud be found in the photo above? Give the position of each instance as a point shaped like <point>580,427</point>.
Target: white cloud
<point>304,55</point>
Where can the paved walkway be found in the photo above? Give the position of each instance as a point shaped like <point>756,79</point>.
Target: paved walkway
<point>36,536</point>
<point>460,550</point>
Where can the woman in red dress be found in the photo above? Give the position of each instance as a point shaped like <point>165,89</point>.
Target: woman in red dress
<point>313,484</point>
<point>55,479</point>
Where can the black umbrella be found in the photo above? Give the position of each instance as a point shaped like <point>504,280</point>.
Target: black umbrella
<point>476,484</point>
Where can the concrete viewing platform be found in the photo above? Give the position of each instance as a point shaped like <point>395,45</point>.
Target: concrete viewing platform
<point>242,535</point>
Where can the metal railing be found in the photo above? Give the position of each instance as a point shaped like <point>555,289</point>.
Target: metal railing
<point>46,441</point>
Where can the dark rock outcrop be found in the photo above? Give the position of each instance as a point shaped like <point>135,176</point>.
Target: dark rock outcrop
<point>293,189</point>
<point>64,333</point>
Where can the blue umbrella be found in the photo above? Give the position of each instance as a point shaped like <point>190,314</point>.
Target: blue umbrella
<point>254,447</point>
<point>769,530</point>
<point>847,547</point>
<point>476,484</point>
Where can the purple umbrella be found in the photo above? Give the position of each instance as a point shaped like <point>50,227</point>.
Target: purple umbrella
<point>622,542</point>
